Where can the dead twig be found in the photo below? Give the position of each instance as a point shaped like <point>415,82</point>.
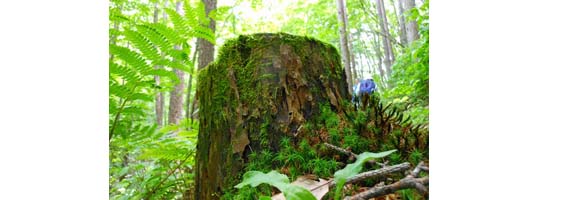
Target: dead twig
<point>410,181</point>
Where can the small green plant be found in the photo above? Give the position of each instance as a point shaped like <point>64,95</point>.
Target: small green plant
<point>280,181</point>
<point>353,169</point>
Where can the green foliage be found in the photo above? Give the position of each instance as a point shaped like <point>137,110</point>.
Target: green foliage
<point>353,169</point>
<point>140,163</point>
<point>410,76</point>
<point>280,181</point>
<point>147,161</point>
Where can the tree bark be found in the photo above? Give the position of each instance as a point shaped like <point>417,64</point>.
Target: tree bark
<point>384,24</point>
<point>411,25</point>
<point>345,52</point>
<point>262,87</point>
<point>206,49</point>
<point>159,97</point>
<point>352,58</point>
<point>176,95</point>
<point>206,53</point>
<point>401,18</point>
<point>379,55</point>
<point>188,102</point>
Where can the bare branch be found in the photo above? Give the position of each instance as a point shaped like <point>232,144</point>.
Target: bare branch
<point>376,173</point>
<point>410,181</point>
<point>415,172</point>
<point>417,183</point>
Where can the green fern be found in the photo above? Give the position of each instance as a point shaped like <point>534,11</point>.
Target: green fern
<point>146,47</point>
<point>154,36</point>
<point>132,58</point>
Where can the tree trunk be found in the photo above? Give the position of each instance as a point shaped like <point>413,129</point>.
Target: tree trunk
<point>401,18</point>
<point>377,47</point>
<point>345,52</point>
<point>352,57</point>
<point>176,95</point>
<point>411,25</point>
<point>263,87</point>
<point>384,24</point>
<point>159,97</point>
<point>206,54</point>
<point>188,103</point>
<point>206,48</point>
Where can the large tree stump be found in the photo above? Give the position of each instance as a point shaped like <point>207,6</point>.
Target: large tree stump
<point>262,87</point>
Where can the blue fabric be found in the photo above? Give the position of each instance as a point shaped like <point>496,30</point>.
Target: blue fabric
<point>366,86</point>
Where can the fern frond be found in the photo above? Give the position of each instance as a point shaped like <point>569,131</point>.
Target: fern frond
<point>126,73</point>
<point>120,91</point>
<point>164,152</point>
<point>170,34</point>
<point>140,96</point>
<point>115,15</point>
<point>135,111</point>
<point>164,73</point>
<point>204,32</point>
<point>174,65</point>
<point>113,105</point>
<point>130,57</point>
<point>178,21</point>
<point>155,37</point>
<point>145,46</point>
<point>199,12</point>
<point>114,32</point>
<point>192,14</point>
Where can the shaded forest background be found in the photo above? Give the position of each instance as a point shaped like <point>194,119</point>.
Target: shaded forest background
<point>158,47</point>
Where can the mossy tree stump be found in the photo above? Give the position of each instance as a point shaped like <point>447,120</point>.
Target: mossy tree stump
<point>261,88</point>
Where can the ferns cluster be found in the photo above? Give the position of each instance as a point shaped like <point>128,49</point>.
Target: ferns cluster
<point>142,59</point>
<point>137,47</point>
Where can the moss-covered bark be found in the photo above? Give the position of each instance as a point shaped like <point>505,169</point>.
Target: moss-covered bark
<point>261,88</point>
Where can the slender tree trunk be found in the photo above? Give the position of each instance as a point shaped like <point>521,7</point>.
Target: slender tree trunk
<point>206,48</point>
<point>159,97</point>
<point>345,52</point>
<point>355,75</point>
<point>176,95</point>
<point>411,25</point>
<point>188,104</point>
<point>384,24</point>
<point>401,18</point>
<point>352,52</point>
<point>379,54</point>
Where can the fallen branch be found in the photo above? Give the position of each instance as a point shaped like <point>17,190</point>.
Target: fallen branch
<point>376,173</point>
<point>410,181</point>
<point>417,183</point>
<point>351,154</point>
<point>341,150</point>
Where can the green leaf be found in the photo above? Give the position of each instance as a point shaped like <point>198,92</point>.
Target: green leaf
<point>280,181</point>
<point>255,178</point>
<point>144,45</point>
<point>353,169</point>
<point>294,192</point>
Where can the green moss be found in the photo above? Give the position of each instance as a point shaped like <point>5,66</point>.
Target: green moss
<point>239,82</point>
